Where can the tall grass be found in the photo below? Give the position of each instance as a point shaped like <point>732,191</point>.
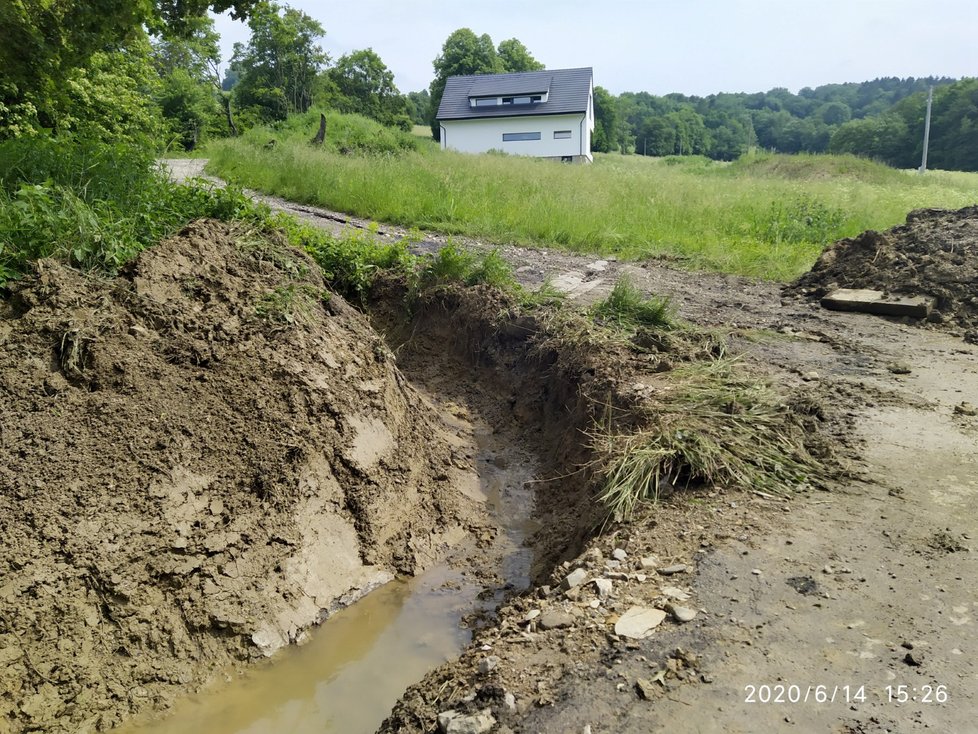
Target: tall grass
<point>766,216</point>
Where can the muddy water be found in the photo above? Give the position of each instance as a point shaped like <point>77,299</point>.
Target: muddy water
<point>357,664</point>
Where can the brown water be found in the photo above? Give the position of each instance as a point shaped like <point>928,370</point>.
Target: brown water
<point>358,663</point>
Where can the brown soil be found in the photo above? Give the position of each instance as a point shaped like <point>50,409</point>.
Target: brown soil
<point>122,587</point>
<point>934,254</point>
<point>198,459</point>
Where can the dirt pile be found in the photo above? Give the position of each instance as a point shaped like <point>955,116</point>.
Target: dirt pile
<point>198,459</point>
<point>935,253</point>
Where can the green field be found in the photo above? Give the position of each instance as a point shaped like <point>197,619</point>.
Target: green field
<point>765,215</point>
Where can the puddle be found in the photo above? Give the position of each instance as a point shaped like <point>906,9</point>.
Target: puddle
<point>359,662</point>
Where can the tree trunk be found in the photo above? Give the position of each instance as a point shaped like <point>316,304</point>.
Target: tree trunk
<point>321,135</point>
<point>226,98</point>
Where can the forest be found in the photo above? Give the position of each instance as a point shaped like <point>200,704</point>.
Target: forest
<point>152,74</point>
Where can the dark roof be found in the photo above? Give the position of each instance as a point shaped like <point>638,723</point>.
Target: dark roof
<point>569,91</point>
<point>498,85</point>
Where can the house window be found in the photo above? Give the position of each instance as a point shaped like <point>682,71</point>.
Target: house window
<point>522,100</point>
<point>488,102</point>
<point>562,134</point>
<point>510,137</point>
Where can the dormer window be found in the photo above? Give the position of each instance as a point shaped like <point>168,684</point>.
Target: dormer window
<point>509,90</point>
<point>533,99</point>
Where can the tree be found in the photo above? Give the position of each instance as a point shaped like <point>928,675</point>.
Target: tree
<point>514,56</point>
<point>188,64</point>
<point>605,137</point>
<point>885,138</point>
<point>462,53</point>
<point>279,66</point>
<point>44,42</point>
<point>418,106</point>
<point>360,82</point>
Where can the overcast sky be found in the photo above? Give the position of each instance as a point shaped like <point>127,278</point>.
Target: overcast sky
<point>660,46</point>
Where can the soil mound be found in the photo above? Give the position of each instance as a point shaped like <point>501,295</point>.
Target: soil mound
<point>198,460</point>
<point>935,253</point>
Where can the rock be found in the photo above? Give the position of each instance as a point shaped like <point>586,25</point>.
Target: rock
<point>573,579</point>
<point>681,614</point>
<point>649,562</point>
<point>898,368</point>
<point>509,701</point>
<point>619,554</point>
<point>756,571</point>
<point>645,688</point>
<point>638,622</point>
<point>531,615</point>
<point>965,408</point>
<point>452,722</point>
<point>555,620</point>
<point>488,664</point>
<point>810,376</point>
<point>672,592</point>
<point>604,587</point>
<point>673,569</point>
<point>913,659</point>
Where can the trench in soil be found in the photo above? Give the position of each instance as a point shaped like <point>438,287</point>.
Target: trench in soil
<point>351,669</point>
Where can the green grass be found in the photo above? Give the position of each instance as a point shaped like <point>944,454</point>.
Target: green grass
<point>94,205</point>
<point>766,216</point>
<point>628,307</point>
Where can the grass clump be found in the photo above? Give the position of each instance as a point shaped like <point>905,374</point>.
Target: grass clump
<point>453,264</point>
<point>712,424</point>
<point>627,307</point>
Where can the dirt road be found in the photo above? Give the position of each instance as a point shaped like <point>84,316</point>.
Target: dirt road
<point>849,610</point>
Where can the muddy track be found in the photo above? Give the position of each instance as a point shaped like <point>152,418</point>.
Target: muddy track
<point>857,602</point>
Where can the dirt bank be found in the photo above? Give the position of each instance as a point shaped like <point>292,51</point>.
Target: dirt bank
<point>934,254</point>
<point>198,460</point>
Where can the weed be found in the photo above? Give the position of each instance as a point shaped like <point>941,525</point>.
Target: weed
<point>626,306</point>
<point>94,205</point>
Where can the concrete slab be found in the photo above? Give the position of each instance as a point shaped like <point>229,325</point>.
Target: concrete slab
<point>866,300</point>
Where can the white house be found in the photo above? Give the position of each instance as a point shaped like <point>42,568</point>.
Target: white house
<point>547,114</point>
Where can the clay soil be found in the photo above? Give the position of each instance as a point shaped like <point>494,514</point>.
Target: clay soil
<point>199,459</point>
<point>183,446</point>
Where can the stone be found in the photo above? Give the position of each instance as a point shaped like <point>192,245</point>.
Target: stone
<point>555,620</point>
<point>509,702</point>
<point>681,614</point>
<point>649,562</point>
<point>638,622</point>
<point>673,592</point>
<point>965,408</point>
<point>645,688</point>
<point>604,587</point>
<point>488,664</point>
<point>673,569</point>
<point>531,615</point>
<point>619,554</point>
<point>573,579</point>
<point>452,722</point>
<point>877,302</point>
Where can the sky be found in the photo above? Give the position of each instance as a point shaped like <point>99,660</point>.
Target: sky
<point>694,47</point>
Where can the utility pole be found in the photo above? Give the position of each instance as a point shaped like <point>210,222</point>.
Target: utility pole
<point>930,100</point>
